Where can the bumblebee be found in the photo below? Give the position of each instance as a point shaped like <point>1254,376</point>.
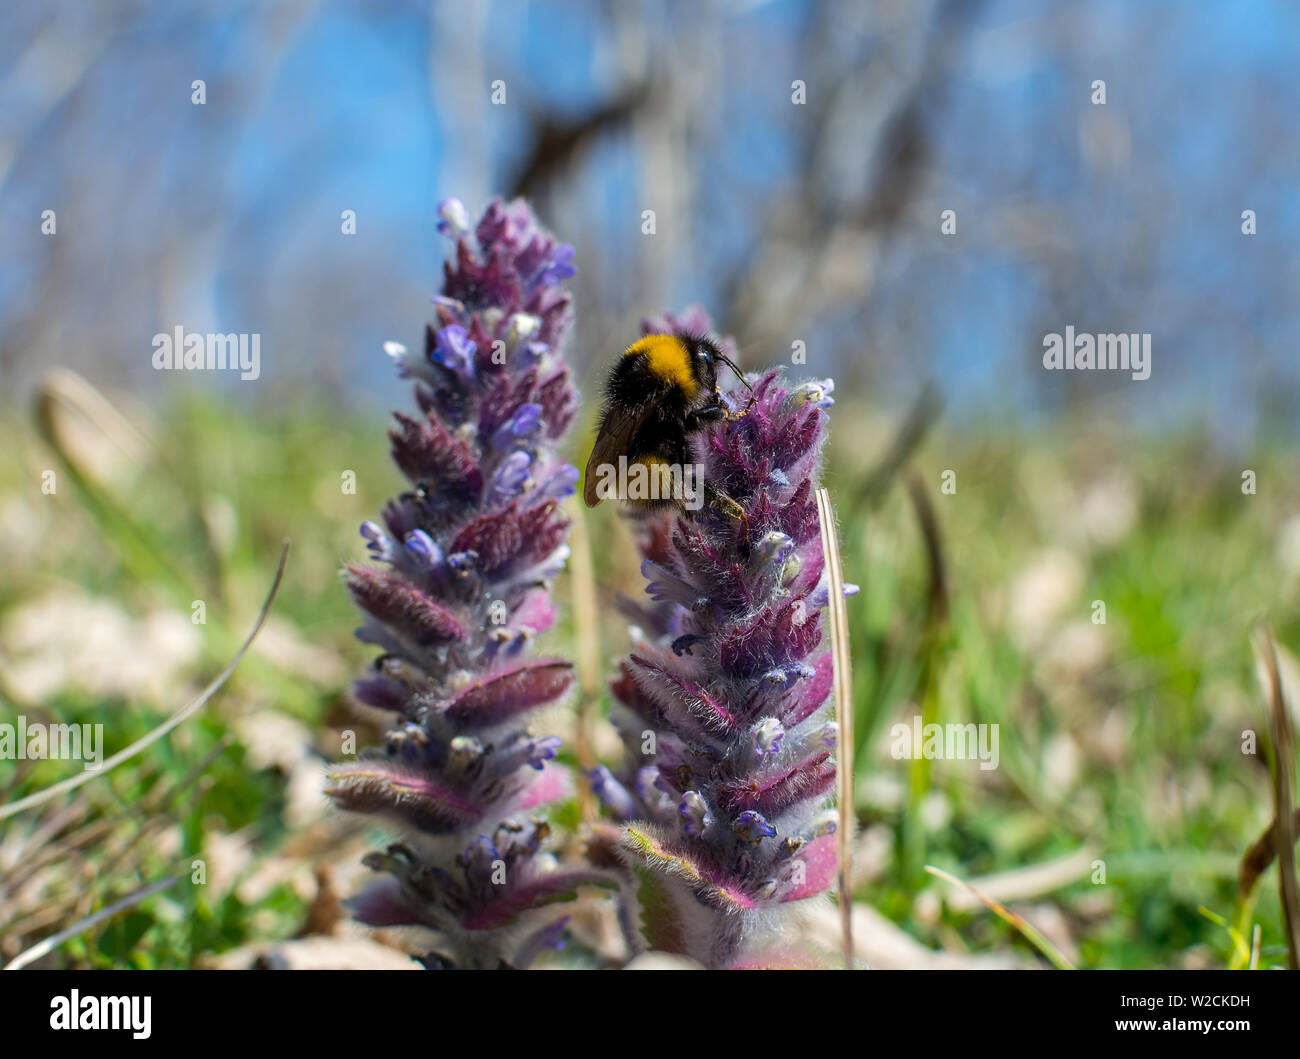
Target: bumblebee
<point>662,389</point>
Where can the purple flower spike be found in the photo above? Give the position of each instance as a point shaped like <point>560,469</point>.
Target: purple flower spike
<point>728,824</point>
<point>468,552</point>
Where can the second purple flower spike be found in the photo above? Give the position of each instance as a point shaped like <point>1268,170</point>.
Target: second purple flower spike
<point>725,709</point>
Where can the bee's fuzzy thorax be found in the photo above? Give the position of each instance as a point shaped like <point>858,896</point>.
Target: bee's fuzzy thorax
<point>668,361</point>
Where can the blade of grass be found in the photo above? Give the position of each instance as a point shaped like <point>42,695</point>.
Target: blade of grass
<point>1240,950</point>
<point>1031,933</point>
<point>1030,881</point>
<point>1284,834</point>
<point>1245,918</point>
<point>176,719</point>
<point>839,623</point>
<point>48,945</point>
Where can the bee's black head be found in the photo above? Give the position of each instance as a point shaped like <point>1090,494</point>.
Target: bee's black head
<point>706,355</point>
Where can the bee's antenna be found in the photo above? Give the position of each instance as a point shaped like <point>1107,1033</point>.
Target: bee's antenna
<point>753,397</point>
<point>736,371</point>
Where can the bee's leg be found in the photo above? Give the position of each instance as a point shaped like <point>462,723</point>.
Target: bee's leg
<point>714,412</point>
<point>734,417</point>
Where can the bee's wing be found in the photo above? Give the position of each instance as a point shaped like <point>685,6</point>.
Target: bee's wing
<point>613,440</point>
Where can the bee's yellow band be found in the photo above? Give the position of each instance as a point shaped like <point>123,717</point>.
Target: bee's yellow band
<point>669,360</point>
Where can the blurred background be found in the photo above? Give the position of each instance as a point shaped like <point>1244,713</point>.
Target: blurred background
<point>815,221</point>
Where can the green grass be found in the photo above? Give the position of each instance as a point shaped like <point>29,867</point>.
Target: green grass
<point>1135,752</point>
